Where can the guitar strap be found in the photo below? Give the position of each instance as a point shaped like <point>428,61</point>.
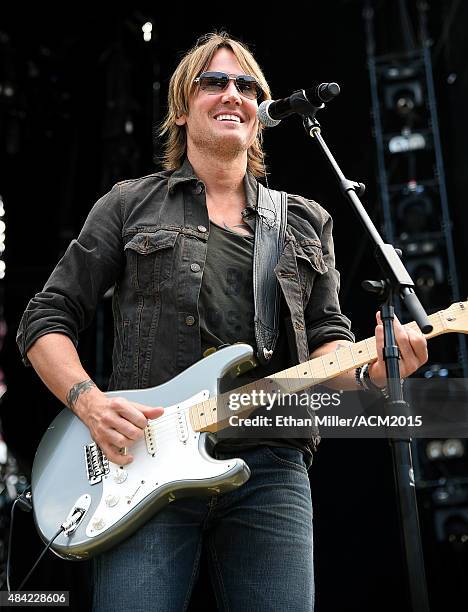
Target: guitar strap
<point>270,232</point>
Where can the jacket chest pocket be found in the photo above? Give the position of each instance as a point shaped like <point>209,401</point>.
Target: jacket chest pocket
<point>150,257</point>
<point>310,263</point>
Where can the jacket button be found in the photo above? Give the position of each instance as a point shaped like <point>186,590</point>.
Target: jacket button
<point>201,228</point>
<point>195,267</point>
<point>190,320</point>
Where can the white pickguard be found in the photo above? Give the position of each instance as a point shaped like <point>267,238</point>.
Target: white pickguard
<point>176,457</point>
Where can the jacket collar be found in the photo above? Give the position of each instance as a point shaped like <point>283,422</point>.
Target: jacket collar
<point>182,175</point>
<point>185,174</point>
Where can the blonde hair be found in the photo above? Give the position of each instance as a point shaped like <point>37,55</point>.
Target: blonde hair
<point>181,87</point>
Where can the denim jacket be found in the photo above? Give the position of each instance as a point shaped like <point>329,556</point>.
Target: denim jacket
<point>147,238</point>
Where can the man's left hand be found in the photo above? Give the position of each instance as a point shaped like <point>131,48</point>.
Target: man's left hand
<point>413,351</point>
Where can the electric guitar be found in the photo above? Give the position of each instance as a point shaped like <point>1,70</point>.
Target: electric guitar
<point>101,503</point>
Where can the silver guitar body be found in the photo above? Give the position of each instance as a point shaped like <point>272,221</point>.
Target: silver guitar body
<point>70,475</point>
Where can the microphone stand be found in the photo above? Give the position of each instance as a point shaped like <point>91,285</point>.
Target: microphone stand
<point>396,283</point>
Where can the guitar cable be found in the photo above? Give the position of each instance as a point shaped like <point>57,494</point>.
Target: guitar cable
<point>27,506</point>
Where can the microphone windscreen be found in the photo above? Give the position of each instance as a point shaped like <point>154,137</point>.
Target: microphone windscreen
<point>263,115</point>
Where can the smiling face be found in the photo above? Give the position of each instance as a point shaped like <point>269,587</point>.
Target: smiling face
<point>223,124</point>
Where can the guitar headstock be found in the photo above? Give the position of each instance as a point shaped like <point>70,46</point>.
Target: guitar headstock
<point>456,317</point>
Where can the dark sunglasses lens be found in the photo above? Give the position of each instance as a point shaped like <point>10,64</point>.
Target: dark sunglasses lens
<point>248,87</point>
<point>213,82</point>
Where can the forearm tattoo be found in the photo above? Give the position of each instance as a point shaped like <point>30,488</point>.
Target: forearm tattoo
<point>77,390</point>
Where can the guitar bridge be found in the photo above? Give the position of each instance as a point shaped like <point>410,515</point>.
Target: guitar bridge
<point>97,464</point>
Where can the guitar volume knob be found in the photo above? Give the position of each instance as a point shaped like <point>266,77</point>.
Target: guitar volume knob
<point>120,476</point>
<point>112,500</point>
<point>98,523</point>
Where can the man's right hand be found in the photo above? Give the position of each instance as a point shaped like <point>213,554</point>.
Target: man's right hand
<point>114,422</point>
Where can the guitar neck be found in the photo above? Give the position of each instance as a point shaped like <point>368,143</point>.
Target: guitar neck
<point>214,413</point>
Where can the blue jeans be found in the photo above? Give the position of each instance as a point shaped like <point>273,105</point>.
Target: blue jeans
<point>258,540</point>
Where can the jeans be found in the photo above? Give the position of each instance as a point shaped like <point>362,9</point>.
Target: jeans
<point>258,540</point>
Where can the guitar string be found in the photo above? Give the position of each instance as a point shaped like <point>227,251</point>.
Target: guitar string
<point>169,430</point>
<point>173,415</point>
<point>165,433</point>
<point>164,425</point>
<point>160,432</point>
<point>307,374</point>
<point>157,423</point>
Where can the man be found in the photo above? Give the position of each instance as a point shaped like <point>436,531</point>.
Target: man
<point>178,246</point>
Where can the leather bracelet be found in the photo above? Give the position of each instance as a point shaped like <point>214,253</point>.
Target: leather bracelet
<point>370,386</point>
<point>357,376</point>
<point>364,381</point>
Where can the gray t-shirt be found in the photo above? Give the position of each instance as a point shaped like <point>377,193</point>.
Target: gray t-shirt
<point>226,311</point>
<point>226,304</point>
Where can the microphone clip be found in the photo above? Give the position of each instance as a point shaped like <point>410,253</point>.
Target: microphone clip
<point>302,106</point>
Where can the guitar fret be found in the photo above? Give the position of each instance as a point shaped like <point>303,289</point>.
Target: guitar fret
<point>195,419</point>
<point>324,368</point>
<point>353,356</point>
<point>303,374</point>
<point>338,360</point>
<point>282,384</point>
<point>310,372</point>
<point>361,352</point>
<point>305,369</point>
<point>292,379</point>
<point>212,411</point>
<point>305,381</point>
<point>295,381</point>
<point>207,412</point>
<point>201,414</point>
<point>286,386</point>
<point>367,348</point>
<point>223,406</point>
<point>345,359</point>
<point>330,365</point>
<point>317,376</point>
<point>283,381</point>
<point>442,320</point>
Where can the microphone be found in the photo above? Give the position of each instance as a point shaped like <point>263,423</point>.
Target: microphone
<point>270,112</point>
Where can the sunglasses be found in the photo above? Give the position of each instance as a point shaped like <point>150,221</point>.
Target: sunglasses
<point>216,82</point>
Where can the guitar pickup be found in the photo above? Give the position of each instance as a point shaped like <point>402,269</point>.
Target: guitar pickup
<point>181,426</point>
<point>150,438</point>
